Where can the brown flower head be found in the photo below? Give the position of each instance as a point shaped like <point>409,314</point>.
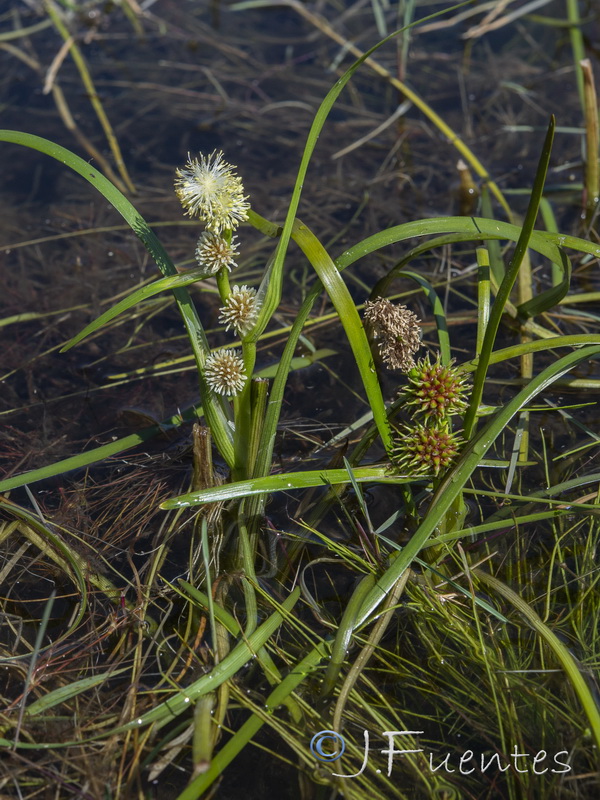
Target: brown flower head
<point>397,331</point>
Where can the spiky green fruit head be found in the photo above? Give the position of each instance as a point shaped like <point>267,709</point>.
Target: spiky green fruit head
<point>437,391</point>
<point>425,449</point>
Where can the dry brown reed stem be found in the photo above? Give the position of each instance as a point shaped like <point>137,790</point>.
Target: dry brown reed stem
<point>592,173</point>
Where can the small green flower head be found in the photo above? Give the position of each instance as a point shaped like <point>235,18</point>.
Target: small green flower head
<point>213,252</point>
<point>240,310</point>
<point>436,391</point>
<point>209,189</point>
<point>224,371</point>
<point>425,449</point>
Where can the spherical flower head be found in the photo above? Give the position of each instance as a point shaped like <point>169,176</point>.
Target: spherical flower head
<point>209,189</point>
<point>437,391</point>
<point>425,449</point>
<point>213,252</point>
<point>398,331</point>
<point>224,372</point>
<point>240,310</point>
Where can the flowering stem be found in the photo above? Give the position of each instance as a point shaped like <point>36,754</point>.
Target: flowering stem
<point>223,284</point>
<point>242,405</point>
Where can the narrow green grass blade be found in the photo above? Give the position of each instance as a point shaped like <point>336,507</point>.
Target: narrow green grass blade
<point>98,454</point>
<point>439,315</point>
<point>498,524</point>
<point>37,648</point>
<point>349,317</point>
<point>507,284</point>
<point>222,615</point>
<point>168,710</point>
<point>517,350</point>
<point>462,229</point>
<point>560,650</point>
<point>483,295</point>
<point>341,642</point>
<point>282,483</point>
<point>101,453</point>
<point>244,651</point>
<point>64,693</point>
<point>53,546</point>
<point>496,260</point>
<point>299,673</point>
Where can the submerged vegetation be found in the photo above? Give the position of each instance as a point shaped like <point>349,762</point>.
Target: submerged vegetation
<point>426,621</point>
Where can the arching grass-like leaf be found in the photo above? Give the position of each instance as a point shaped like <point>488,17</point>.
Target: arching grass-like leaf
<point>285,482</point>
<point>163,285</point>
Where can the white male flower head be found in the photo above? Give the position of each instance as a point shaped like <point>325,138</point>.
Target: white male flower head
<point>208,188</point>
<point>224,372</point>
<point>213,252</point>
<point>240,310</point>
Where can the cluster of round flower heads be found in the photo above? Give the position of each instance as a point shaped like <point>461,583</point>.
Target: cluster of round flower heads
<point>435,393</point>
<point>209,189</point>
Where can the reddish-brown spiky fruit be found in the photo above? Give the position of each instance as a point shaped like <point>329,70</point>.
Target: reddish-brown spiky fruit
<point>425,449</point>
<point>436,391</point>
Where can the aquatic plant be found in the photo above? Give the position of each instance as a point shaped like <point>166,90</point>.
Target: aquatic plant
<point>224,371</point>
<point>466,649</point>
